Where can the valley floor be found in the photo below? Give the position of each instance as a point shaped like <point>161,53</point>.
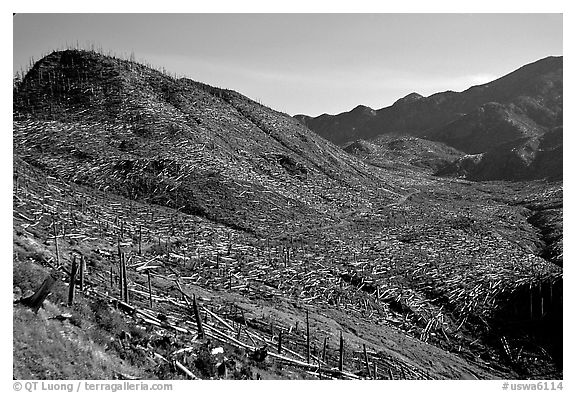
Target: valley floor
<point>420,278</point>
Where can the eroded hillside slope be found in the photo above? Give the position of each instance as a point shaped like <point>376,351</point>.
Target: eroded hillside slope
<point>220,197</point>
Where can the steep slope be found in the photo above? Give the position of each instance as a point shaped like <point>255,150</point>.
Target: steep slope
<point>528,158</point>
<point>132,130</point>
<point>488,126</point>
<point>533,94</point>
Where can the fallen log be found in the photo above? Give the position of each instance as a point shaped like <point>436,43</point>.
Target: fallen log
<point>37,299</point>
<point>185,370</point>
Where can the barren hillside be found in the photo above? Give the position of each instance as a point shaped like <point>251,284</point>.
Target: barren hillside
<point>192,204</point>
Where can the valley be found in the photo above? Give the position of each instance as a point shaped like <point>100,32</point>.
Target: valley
<point>253,248</point>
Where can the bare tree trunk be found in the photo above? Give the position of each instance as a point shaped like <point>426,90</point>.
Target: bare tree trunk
<point>341,360</point>
<point>366,362</point>
<point>56,241</point>
<point>72,285</point>
<point>149,287</point>
<point>82,271</point>
<point>307,338</point>
<point>197,316</point>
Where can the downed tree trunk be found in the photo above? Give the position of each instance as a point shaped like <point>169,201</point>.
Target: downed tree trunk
<point>35,301</point>
<point>185,370</point>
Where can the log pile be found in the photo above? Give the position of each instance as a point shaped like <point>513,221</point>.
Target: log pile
<point>85,217</point>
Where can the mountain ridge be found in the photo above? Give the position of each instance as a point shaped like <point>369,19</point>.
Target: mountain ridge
<point>494,91</point>
<point>144,108</point>
<point>525,103</point>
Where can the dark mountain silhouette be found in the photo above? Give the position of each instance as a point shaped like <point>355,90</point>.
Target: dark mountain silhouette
<point>341,128</point>
<point>528,158</point>
<point>535,91</point>
<point>412,97</point>
<point>526,103</point>
<point>488,126</point>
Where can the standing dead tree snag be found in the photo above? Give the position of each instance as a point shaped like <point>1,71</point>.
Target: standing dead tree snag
<point>121,276</point>
<point>149,286</point>
<point>197,316</point>
<point>341,359</point>
<point>140,240</point>
<point>56,240</point>
<point>307,338</point>
<point>82,271</point>
<point>125,277</point>
<point>72,286</point>
<point>280,342</point>
<point>366,363</point>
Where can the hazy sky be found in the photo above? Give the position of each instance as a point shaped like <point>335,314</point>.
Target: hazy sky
<point>309,63</point>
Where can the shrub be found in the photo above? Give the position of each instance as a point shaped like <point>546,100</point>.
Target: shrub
<point>205,363</point>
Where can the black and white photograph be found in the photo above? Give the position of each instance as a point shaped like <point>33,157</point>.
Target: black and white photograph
<point>286,196</point>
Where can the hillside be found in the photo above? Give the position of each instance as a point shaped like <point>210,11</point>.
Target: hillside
<point>526,103</point>
<point>196,206</point>
<point>528,158</point>
<point>392,151</point>
<point>139,133</point>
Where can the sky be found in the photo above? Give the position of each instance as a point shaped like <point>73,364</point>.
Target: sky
<point>308,63</point>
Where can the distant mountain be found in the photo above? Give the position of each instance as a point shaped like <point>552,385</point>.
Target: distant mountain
<point>533,92</point>
<point>529,158</point>
<point>391,151</point>
<point>486,127</point>
<point>349,124</point>
<point>412,97</point>
<point>526,103</point>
